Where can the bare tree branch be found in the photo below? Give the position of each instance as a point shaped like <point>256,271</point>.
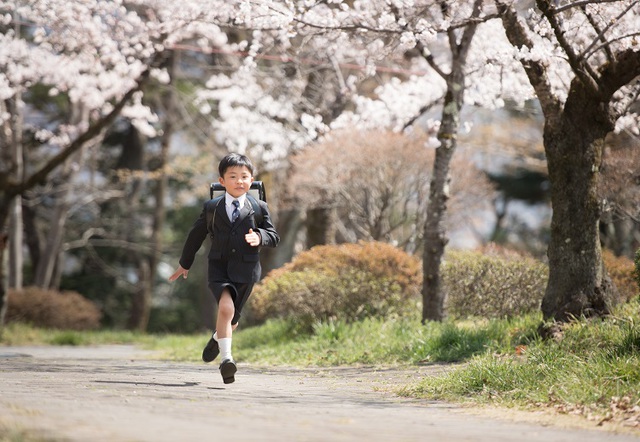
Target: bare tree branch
<point>600,36</point>
<point>40,175</point>
<point>535,69</point>
<point>421,112</point>
<point>580,4</point>
<point>88,240</point>
<point>607,44</point>
<point>579,67</point>
<point>602,32</point>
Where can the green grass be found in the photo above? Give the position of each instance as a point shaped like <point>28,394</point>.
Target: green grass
<point>592,369</point>
<point>23,334</point>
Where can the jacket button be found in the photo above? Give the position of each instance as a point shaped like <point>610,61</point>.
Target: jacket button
<point>233,250</point>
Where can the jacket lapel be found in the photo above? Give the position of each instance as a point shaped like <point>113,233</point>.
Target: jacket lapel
<point>244,212</point>
<point>222,212</point>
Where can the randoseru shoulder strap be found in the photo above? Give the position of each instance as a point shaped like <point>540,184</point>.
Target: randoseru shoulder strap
<point>257,210</point>
<point>211,209</point>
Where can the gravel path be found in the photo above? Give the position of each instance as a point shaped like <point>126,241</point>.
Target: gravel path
<point>118,393</point>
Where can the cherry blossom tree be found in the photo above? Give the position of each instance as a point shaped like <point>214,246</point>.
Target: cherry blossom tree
<point>437,40</point>
<point>93,56</point>
<point>583,60</point>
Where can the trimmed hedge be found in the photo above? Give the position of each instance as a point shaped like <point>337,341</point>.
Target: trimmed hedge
<point>637,269</point>
<point>621,271</point>
<point>492,285</point>
<point>50,309</point>
<point>353,281</point>
<point>348,282</point>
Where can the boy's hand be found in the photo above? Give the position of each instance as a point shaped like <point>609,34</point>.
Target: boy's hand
<point>178,273</point>
<point>252,238</point>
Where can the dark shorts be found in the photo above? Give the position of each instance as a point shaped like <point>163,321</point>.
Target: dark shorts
<point>239,292</point>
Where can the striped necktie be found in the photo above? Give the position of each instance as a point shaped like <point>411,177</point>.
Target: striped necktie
<point>236,211</point>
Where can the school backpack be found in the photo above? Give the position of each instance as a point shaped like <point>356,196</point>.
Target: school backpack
<point>216,193</point>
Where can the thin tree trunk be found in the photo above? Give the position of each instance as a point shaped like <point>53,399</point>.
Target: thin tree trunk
<point>3,286</point>
<point>51,251</point>
<point>435,239</point>
<point>51,254</point>
<point>289,225</point>
<point>139,316</point>
<point>321,226</point>
<point>16,228</point>
<point>16,258</point>
<point>33,236</point>
<point>159,214</point>
<point>133,153</point>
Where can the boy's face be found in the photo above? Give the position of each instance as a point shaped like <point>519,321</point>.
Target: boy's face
<point>236,180</point>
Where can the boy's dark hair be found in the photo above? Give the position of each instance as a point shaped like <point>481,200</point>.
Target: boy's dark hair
<point>233,160</point>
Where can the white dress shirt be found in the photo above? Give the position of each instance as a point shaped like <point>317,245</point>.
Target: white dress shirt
<point>228,200</point>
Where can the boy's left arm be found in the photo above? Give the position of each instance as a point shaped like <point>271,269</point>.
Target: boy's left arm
<point>268,235</point>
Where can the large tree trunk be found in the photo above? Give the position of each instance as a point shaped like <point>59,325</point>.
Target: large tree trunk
<point>574,137</point>
<point>578,283</point>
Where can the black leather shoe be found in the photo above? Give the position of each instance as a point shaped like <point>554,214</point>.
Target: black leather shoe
<point>228,370</point>
<point>211,350</point>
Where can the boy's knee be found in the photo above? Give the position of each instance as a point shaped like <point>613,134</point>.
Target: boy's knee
<point>226,309</point>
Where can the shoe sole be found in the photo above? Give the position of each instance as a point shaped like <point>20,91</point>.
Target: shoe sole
<point>228,372</point>
<point>211,351</point>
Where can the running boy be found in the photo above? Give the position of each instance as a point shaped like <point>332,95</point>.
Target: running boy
<point>234,261</point>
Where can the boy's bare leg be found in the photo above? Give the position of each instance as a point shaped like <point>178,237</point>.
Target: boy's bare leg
<point>226,311</point>
<point>212,349</point>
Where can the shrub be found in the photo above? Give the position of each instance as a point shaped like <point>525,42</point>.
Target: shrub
<point>492,284</point>
<point>47,308</point>
<point>347,282</point>
<point>621,271</point>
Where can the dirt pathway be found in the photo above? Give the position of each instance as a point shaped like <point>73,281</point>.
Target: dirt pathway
<point>116,393</point>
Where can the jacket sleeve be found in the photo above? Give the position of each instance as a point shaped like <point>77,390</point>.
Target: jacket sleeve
<point>194,241</point>
<point>267,231</point>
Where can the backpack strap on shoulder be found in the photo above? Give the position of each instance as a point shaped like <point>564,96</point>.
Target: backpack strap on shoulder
<point>259,217</point>
<point>210,212</point>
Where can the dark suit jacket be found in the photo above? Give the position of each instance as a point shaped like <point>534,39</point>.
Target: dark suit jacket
<point>232,255</point>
